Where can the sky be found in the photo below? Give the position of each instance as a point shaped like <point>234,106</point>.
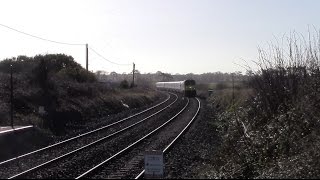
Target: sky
<point>172,36</point>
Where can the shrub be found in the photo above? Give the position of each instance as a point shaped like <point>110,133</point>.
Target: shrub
<point>221,85</point>
<point>273,135</point>
<point>77,74</point>
<point>124,84</point>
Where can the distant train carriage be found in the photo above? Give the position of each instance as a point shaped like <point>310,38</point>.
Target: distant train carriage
<point>187,87</point>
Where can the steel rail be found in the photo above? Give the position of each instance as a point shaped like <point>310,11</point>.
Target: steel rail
<point>84,134</point>
<point>90,144</point>
<point>175,139</point>
<point>133,144</point>
<point>15,129</point>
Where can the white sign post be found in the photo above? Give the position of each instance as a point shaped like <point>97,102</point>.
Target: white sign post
<point>153,164</point>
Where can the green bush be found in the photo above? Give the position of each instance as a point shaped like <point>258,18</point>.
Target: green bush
<point>124,84</point>
<point>43,80</point>
<point>77,74</point>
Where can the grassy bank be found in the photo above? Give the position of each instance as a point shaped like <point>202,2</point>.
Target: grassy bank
<point>67,92</point>
<point>273,132</point>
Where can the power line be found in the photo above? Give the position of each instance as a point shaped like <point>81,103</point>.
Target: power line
<point>108,59</point>
<point>73,44</point>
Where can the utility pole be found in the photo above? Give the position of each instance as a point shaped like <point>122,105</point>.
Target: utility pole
<point>133,74</point>
<point>87,57</point>
<point>232,88</point>
<point>11,96</point>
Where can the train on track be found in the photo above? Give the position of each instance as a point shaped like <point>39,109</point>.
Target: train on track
<point>186,87</point>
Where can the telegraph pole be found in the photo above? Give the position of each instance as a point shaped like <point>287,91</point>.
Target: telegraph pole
<point>133,74</point>
<point>232,88</point>
<point>87,57</point>
<point>11,96</point>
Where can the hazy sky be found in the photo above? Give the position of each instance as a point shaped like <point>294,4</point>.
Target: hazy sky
<point>173,36</point>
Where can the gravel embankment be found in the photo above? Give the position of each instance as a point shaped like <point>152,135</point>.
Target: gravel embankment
<point>188,158</point>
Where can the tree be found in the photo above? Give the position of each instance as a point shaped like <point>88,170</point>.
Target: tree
<point>114,75</point>
<point>167,77</point>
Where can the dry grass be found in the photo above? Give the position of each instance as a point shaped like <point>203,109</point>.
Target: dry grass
<point>275,133</point>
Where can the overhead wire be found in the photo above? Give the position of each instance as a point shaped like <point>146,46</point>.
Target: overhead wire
<point>44,39</point>
<point>64,43</point>
<point>106,58</point>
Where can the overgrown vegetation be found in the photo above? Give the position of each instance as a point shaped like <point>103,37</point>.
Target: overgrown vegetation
<point>124,84</point>
<point>148,80</point>
<point>274,133</point>
<point>67,92</point>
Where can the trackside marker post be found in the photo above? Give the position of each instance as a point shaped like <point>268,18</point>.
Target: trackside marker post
<point>153,164</point>
<point>11,97</point>
<point>87,59</point>
<point>134,66</point>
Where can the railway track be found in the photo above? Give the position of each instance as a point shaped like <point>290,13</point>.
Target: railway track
<point>132,160</point>
<point>167,148</point>
<point>20,166</point>
<point>128,162</point>
<point>73,166</point>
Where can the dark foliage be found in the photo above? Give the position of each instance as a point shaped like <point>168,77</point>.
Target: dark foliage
<point>69,95</point>
<point>124,84</point>
<point>36,83</point>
